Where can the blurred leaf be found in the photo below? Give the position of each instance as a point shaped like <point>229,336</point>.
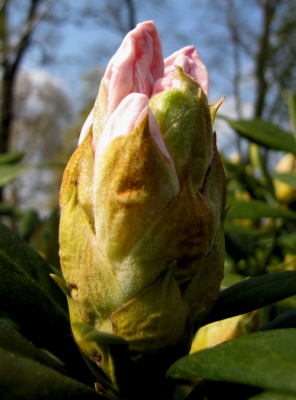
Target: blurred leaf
<point>26,290</point>
<point>245,209</point>
<point>287,320</point>
<point>237,229</point>
<point>252,294</point>
<point>45,239</point>
<point>288,178</point>
<point>11,158</point>
<point>28,222</point>
<point>7,209</point>
<point>291,101</point>
<point>10,172</point>
<point>288,240</point>
<point>231,279</point>
<point>241,241</point>
<point>258,163</point>
<point>265,360</point>
<point>273,396</point>
<point>264,134</point>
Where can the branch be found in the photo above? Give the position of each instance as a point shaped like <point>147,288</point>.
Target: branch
<point>131,13</point>
<point>27,30</point>
<point>269,10</point>
<point>2,4</point>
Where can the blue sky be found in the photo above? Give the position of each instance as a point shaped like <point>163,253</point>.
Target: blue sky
<point>81,48</point>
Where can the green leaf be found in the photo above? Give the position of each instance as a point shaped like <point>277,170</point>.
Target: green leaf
<point>206,389</point>
<point>273,396</point>
<point>7,209</point>
<point>24,378</point>
<point>11,158</point>
<point>27,292</point>
<point>44,238</point>
<point>265,360</point>
<point>292,111</point>
<point>231,279</point>
<point>252,294</point>
<point>288,178</point>
<point>245,209</point>
<point>10,172</point>
<point>14,342</point>
<point>245,231</point>
<point>28,222</point>
<point>264,134</point>
<point>35,302</point>
<point>284,321</point>
<point>288,240</point>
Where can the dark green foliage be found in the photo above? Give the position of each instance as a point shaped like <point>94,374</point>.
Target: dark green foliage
<point>27,372</point>
<point>266,360</point>
<point>37,349</point>
<point>33,300</point>
<point>252,294</point>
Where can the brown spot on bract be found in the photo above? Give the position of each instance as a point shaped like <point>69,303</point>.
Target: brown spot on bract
<point>97,358</point>
<point>73,290</point>
<point>114,327</point>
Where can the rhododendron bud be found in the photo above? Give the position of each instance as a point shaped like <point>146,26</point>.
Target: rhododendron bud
<point>142,209</point>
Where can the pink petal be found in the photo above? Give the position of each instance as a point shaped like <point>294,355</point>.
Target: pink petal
<point>158,138</point>
<point>136,66</point>
<point>189,59</point>
<point>125,119</point>
<point>166,83</point>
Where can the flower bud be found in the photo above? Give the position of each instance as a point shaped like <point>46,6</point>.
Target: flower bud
<point>142,210</point>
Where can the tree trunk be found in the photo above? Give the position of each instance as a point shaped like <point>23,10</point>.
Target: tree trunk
<point>268,9</point>
<point>11,59</point>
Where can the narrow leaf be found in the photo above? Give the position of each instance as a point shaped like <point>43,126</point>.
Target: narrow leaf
<point>265,360</point>
<point>12,171</point>
<point>252,294</point>
<point>264,134</point>
<point>11,158</point>
<point>7,209</point>
<point>292,111</point>
<point>284,321</point>
<point>288,178</point>
<point>273,396</point>
<point>245,209</point>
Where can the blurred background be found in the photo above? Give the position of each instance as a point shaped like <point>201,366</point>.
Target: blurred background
<point>53,54</point>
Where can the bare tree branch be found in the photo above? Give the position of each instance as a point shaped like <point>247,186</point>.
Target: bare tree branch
<point>131,14</point>
<point>2,4</point>
<point>268,8</point>
<point>32,22</point>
